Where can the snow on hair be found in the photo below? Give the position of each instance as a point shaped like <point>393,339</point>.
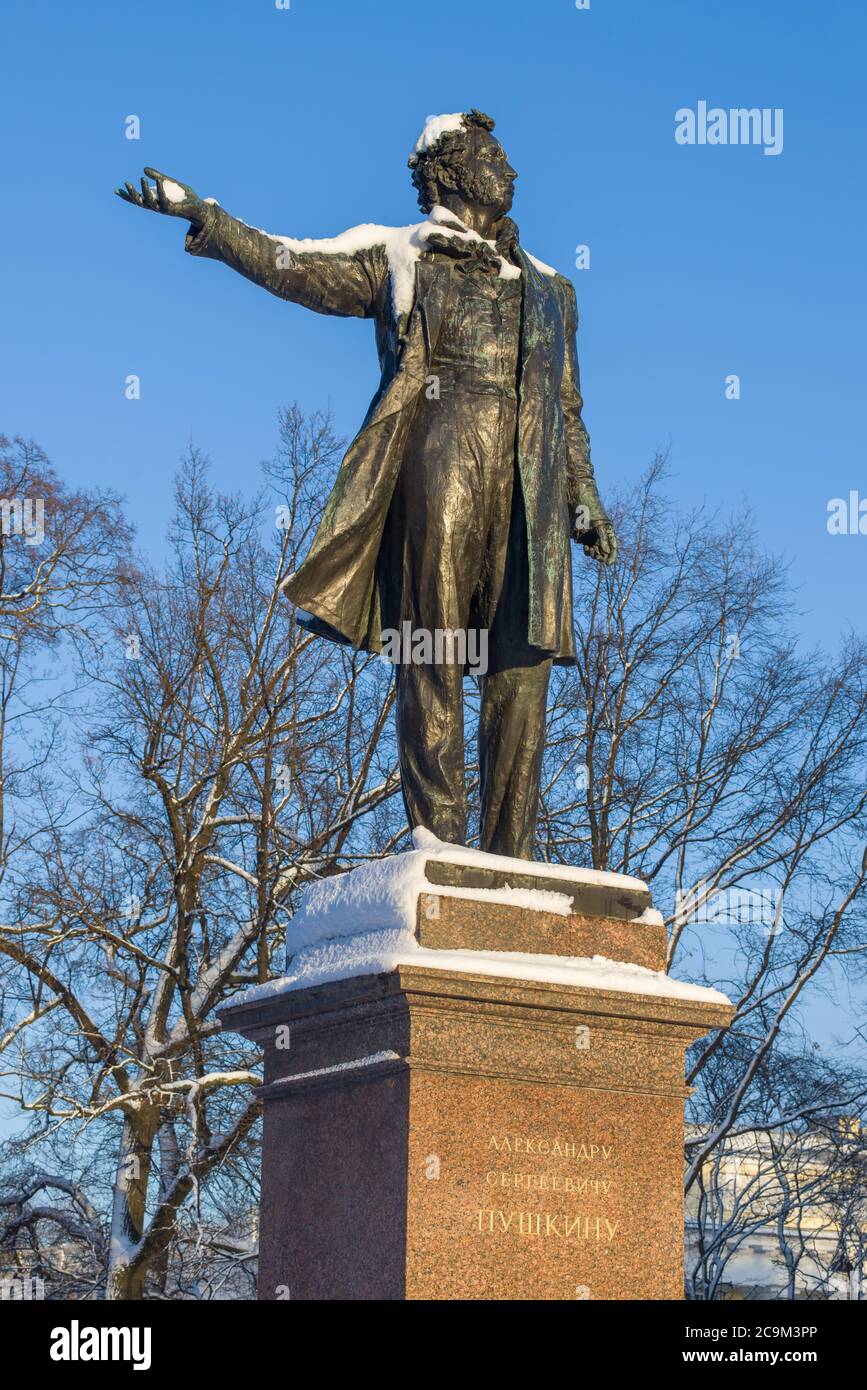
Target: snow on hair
<point>436,127</point>
<point>441,144</point>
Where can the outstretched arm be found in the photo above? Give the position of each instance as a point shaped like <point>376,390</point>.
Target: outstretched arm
<point>591,525</point>
<point>349,281</point>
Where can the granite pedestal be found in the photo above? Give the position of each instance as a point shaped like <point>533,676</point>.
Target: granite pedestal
<point>447,1133</point>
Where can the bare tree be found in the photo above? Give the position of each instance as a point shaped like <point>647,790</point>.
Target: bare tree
<point>774,1206</point>
<point>700,749</point>
<point>224,758</point>
<point>216,758</point>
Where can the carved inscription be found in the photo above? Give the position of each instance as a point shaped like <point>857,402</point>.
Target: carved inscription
<point>566,1168</point>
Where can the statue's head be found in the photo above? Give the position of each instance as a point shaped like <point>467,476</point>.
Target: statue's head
<point>458,155</point>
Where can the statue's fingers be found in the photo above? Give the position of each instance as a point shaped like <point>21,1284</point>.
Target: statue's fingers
<point>163,201</point>
<point>149,197</point>
<point>130,193</point>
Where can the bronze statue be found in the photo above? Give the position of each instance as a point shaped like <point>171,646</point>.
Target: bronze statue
<point>452,510</point>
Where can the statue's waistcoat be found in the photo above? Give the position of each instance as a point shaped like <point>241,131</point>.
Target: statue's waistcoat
<point>337,582</point>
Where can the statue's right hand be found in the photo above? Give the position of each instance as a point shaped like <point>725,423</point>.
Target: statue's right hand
<point>164,195</point>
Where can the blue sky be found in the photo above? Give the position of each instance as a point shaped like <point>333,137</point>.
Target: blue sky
<point>705,261</point>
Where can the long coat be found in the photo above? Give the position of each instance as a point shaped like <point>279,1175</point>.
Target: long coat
<point>364,273</point>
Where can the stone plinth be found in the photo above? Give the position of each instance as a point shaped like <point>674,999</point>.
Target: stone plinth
<point>441,1133</point>
<point>457,924</point>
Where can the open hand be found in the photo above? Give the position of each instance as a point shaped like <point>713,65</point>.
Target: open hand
<point>164,195</point>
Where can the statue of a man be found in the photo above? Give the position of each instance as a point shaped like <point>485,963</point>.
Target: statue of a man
<point>449,522</point>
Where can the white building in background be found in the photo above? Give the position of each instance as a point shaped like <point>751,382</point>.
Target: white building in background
<point>780,1216</point>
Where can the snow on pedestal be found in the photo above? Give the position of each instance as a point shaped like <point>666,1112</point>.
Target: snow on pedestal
<point>364,922</point>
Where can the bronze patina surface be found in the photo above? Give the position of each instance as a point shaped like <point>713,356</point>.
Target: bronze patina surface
<point>453,508</point>
<point>622,900</point>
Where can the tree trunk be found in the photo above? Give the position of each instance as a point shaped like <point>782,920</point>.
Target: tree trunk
<point>125,1281</point>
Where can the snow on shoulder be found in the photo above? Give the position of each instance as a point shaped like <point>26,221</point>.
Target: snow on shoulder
<point>541,266</point>
<point>402,245</point>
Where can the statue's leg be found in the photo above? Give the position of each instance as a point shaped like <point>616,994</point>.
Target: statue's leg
<point>430,737</point>
<point>512,721</point>
<point>438,527</point>
<point>511,744</point>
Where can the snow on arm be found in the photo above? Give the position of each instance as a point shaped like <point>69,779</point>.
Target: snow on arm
<point>402,245</point>
<point>230,239</point>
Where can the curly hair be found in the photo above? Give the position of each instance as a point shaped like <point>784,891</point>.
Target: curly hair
<point>443,164</point>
